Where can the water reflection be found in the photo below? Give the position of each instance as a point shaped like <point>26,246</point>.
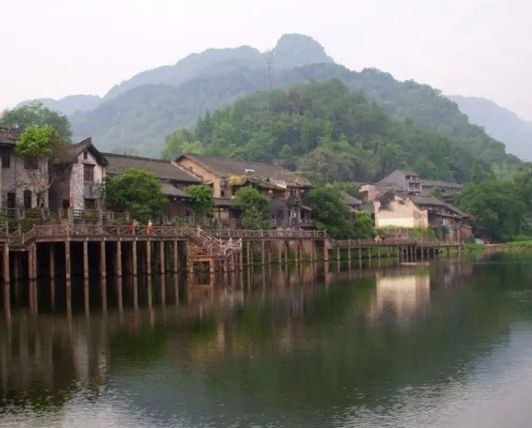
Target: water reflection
<point>292,346</point>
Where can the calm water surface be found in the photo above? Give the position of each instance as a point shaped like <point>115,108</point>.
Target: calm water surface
<point>445,344</point>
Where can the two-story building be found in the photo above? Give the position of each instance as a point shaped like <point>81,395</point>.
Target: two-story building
<point>77,173</point>
<point>24,183</point>
<point>284,188</point>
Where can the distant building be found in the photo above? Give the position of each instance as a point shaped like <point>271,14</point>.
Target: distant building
<point>410,182</point>
<point>284,188</point>
<point>410,211</point>
<point>174,179</point>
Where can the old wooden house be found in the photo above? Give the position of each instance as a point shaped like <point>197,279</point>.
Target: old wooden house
<point>285,189</point>
<point>77,172</point>
<point>174,179</point>
<point>24,183</point>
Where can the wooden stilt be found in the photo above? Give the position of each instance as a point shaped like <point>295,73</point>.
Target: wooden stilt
<point>68,269</point>
<point>85,260</point>
<point>263,252</point>
<point>118,258</point>
<point>134,257</point>
<point>5,270</point>
<point>162,258</point>
<point>176,257</point>
<point>103,261</point>
<point>148,257</point>
<point>51,260</point>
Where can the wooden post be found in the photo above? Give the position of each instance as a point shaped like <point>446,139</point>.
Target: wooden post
<point>51,258</point>
<point>263,252</point>
<point>134,256</point>
<point>176,257</point>
<point>349,255</point>
<point>103,262</point>
<point>162,259</point>
<point>118,258</point>
<point>359,254</point>
<point>85,260</point>
<point>5,271</point>
<point>148,257</point>
<point>68,274</point>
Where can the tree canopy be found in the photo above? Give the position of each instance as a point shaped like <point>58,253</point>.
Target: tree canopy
<point>202,200</point>
<point>329,131</point>
<point>255,208</point>
<point>137,192</point>
<point>35,115</point>
<point>37,142</point>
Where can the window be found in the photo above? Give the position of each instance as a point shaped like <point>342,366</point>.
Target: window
<point>6,158</point>
<point>88,172</point>
<point>66,204</point>
<point>31,163</point>
<point>90,204</point>
<point>85,155</point>
<point>27,198</point>
<point>11,199</point>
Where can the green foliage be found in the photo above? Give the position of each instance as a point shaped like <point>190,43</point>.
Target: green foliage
<point>436,192</point>
<point>135,191</point>
<point>35,115</point>
<point>363,226</point>
<point>330,132</point>
<point>202,200</point>
<point>179,142</point>
<point>37,142</point>
<point>330,212</point>
<point>496,208</point>
<point>255,208</point>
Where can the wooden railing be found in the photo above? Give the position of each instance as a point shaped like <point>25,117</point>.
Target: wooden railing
<point>269,234</point>
<point>359,243</point>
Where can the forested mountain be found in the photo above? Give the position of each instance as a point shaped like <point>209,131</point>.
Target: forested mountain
<point>332,133</point>
<point>70,104</point>
<point>499,123</point>
<point>136,115</point>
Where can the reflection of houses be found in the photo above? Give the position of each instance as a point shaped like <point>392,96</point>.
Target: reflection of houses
<point>78,171</point>
<point>21,179</point>
<point>404,297</point>
<point>400,210</point>
<point>285,189</point>
<point>173,178</point>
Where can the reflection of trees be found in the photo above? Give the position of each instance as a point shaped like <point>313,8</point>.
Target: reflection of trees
<point>284,346</point>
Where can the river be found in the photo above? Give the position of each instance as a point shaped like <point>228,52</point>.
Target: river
<point>444,344</point>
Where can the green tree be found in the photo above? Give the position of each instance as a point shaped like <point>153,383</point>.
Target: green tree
<point>37,115</point>
<point>436,192</point>
<point>137,192</point>
<point>363,227</point>
<point>496,208</point>
<point>202,200</point>
<point>330,212</point>
<point>255,208</point>
<point>179,142</point>
<point>35,146</point>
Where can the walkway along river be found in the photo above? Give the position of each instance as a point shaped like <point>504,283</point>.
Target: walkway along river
<point>120,249</point>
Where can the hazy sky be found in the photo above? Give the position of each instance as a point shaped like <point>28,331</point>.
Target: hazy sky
<point>53,48</point>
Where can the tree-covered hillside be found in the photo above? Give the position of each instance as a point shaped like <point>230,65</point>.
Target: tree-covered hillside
<point>331,132</point>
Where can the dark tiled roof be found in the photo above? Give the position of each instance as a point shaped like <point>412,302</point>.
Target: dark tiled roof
<point>9,135</point>
<point>438,183</point>
<point>163,169</point>
<point>223,202</point>
<point>226,168</point>
<point>350,200</point>
<point>424,201</point>
<point>69,152</point>
<point>170,190</point>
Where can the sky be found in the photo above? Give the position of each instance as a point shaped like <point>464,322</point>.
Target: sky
<point>54,48</point>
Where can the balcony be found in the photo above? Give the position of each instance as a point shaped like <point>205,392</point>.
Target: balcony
<point>91,190</point>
